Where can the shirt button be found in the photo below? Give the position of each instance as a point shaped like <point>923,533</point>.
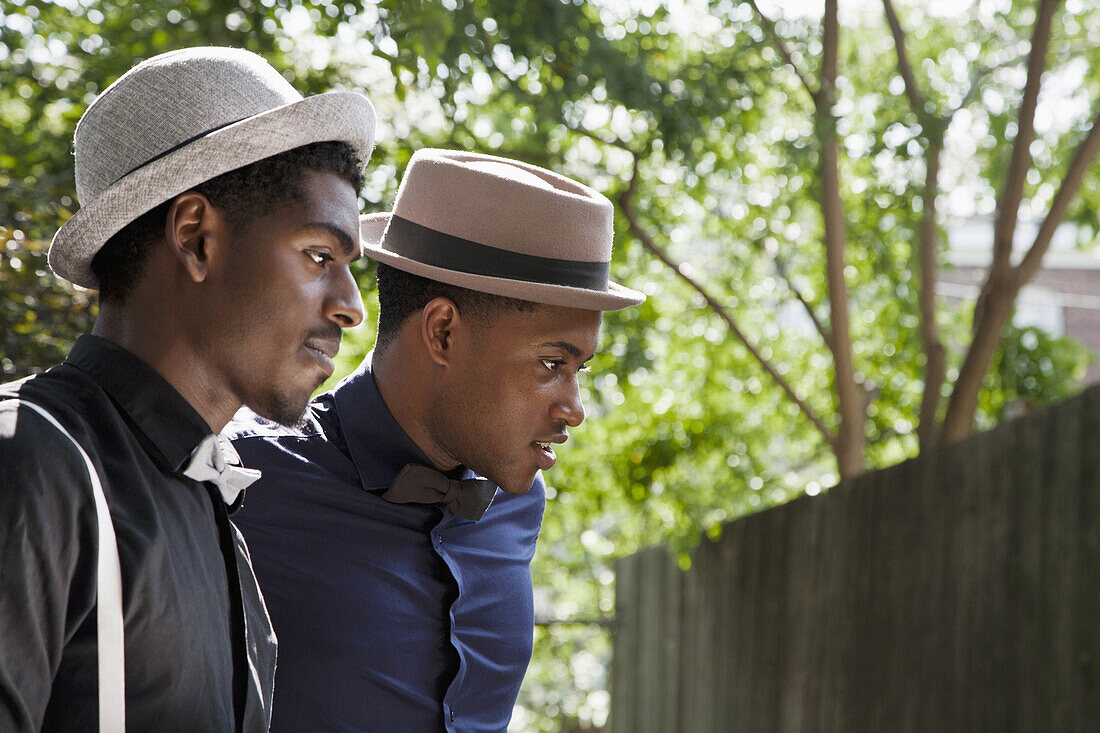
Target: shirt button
<point>452,716</point>
<point>439,539</point>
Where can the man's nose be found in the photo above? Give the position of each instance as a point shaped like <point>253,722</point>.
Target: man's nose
<point>344,305</point>
<point>569,407</point>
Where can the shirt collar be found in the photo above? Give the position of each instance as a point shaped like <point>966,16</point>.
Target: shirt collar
<point>170,425</point>
<point>378,446</point>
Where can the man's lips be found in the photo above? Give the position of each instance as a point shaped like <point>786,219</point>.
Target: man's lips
<point>545,442</point>
<point>324,351</point>
<point>544,454</point>
<point>327,346</point>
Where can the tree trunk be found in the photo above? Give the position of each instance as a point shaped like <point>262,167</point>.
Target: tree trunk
<point>1003,283</point>
<point>935,357</point>
<point>997,301</point>
<point>850,436</point>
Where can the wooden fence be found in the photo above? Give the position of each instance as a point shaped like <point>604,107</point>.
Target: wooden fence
<point>959,591</point>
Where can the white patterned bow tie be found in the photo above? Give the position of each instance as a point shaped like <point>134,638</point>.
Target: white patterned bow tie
<point>216,461</point>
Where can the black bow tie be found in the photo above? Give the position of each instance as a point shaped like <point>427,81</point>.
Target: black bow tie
<point>468,498</point>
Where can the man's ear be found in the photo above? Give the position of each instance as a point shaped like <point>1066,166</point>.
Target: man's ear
<point>438,321</point>
<point>193,228</point>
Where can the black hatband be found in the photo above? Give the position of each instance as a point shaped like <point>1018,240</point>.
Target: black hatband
<point>439,249</point>
<point>176,147</point>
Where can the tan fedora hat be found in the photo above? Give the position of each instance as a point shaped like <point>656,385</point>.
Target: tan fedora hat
<point>499,226</point>
<point>182,118</point>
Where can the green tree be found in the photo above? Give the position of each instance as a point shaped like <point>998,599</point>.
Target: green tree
<point>826,180</point>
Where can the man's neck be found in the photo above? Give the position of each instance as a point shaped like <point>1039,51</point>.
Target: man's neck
<point>405,387</point>
<point>152,338</point>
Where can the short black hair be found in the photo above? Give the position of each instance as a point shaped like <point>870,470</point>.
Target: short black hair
<point>402,294</point>
<point>243,195</point>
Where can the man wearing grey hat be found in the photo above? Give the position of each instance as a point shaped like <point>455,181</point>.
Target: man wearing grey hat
<point>393,532</point>
<point>218,218</point>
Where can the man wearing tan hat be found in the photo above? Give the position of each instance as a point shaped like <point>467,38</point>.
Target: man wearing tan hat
<point>218,218</point>
<point>392,533</point>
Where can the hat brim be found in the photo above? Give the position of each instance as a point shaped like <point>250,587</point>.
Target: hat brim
<point>333,116</point>
<point>372,228</point>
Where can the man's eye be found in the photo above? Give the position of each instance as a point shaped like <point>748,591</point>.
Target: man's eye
<point>319,258</point>
<point>552,364</point>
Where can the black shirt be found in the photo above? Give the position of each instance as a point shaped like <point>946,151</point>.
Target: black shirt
<point>187,656</point>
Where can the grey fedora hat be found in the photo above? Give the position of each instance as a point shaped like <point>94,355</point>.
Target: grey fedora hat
<point>499,226</point>
<point>182,118</point>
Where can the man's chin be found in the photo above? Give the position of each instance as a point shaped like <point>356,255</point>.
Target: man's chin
<point>283,410</point>
<point>516,485</point>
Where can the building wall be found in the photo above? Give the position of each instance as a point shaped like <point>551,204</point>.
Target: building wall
<point>1064,301</point>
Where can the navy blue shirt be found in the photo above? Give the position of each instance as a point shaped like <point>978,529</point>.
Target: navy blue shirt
<point>390,617</point>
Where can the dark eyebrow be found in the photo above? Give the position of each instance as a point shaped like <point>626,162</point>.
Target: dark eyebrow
<point>347,244</point>
<point>564,346</point>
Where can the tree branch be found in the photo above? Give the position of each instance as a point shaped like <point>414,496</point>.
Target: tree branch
<point>977,76</point>
<point>830,51</point>
<point>781,46</point>
<point>916,99</point>
<point>784,274</point>
<point>1068,50</point>
<point>1002,284</point>
<point>1008,204</point>
<point>616,142</point>
<point>935,370</point>
<point>1083,158</point>
<point>626,203</point>
<point>821,327</point>
<point>781,270</point>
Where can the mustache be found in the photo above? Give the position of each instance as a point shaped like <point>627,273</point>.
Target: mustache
<point>329,332</point>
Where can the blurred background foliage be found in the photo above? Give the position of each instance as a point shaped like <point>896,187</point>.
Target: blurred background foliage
<point>685,430</point>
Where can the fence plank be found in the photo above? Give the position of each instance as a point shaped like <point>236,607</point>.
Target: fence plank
<point>1086,587</point>
<point>1062,481</point>
<point>624,636</point>
<point>698,675</point>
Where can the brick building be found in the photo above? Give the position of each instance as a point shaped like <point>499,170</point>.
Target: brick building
<point>1063,298</point>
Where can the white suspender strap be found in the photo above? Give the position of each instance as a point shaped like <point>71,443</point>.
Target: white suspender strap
<point>112,678</point>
